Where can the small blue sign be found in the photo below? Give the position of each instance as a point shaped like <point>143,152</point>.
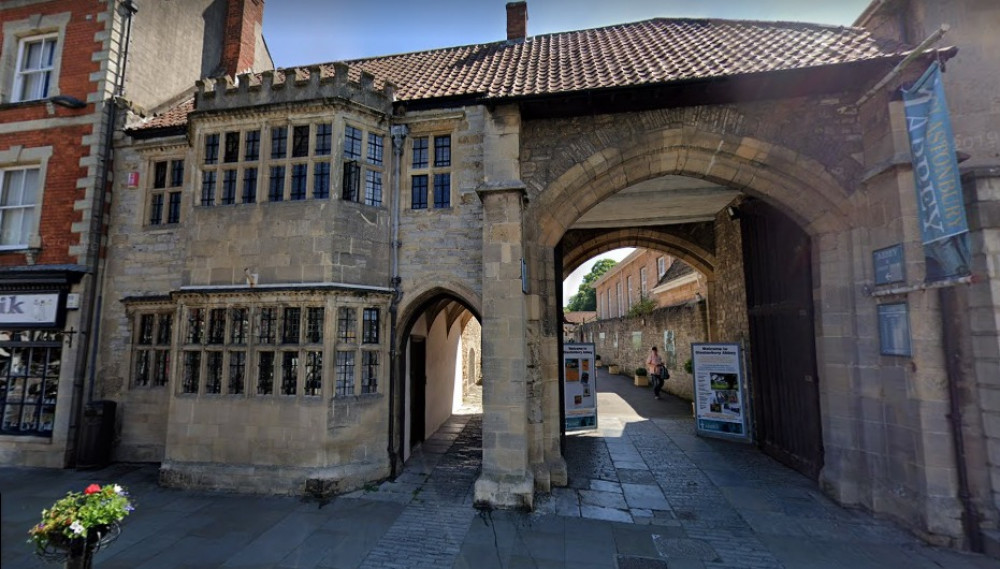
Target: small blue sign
<point>888,264</point>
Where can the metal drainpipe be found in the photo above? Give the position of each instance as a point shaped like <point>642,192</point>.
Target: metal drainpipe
<point>90,317</point>
<point>951,330</point>
<point>398,133</point>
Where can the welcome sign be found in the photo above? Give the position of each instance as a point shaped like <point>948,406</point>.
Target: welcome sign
<point>943,225</point>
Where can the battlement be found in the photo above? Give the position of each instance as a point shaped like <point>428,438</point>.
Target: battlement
<point>294,84</point>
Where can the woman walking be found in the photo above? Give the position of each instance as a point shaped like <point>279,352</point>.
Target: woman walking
<point>656,370</point>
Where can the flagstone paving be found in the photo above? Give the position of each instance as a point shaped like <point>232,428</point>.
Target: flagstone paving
<point>644,493</point>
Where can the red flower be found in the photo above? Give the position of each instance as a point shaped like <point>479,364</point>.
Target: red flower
<point>92,489</point>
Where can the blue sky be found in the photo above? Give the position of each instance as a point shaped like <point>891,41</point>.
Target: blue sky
<point>300,32</point>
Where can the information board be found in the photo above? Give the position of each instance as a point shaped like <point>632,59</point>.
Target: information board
<point>720,400</point>
<point>579,387</point>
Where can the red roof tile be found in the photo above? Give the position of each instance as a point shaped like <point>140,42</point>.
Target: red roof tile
<point>642,53</point>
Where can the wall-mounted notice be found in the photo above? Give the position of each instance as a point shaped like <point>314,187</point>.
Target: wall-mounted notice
<point>720,403</point>
<point>579,387</point>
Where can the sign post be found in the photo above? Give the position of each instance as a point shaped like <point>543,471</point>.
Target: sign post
<point>720,401</point>
<point>579,387</point>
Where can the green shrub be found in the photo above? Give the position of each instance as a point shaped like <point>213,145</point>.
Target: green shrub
<point>640,371</point>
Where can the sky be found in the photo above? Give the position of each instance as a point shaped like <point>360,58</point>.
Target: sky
<point>302,32</point>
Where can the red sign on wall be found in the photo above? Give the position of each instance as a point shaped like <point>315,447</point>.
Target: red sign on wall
<point>133,179</point>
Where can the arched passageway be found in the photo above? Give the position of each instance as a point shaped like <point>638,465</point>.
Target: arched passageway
<point>441,344</point>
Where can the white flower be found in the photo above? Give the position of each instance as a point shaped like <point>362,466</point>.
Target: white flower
<point>77,528</point>
<point>118,489</point>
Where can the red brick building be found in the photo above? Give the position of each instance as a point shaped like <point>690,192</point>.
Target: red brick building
<point>647,273</point>
<point>66,68</point>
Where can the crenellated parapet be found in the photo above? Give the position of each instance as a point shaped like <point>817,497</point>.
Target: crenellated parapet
<point>294,84</point>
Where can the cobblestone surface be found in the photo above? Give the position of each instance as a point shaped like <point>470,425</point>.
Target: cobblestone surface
<point>644,492</point>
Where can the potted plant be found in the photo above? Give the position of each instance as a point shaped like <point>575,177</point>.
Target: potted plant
<point>613,369</point>
<point>597,360</point>
<point>641,380</point>
<point>80,524</point>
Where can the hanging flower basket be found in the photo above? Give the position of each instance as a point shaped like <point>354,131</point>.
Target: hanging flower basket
<point>81,524</point>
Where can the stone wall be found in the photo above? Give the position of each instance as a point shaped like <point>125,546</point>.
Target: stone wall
<point>626,341</point>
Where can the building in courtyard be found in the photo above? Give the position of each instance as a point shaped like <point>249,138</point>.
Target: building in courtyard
<point>306,267</point>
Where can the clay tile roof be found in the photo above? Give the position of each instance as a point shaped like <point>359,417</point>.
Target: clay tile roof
<point>641,53</point>
<point>647,52</point>
<point>173,117</point>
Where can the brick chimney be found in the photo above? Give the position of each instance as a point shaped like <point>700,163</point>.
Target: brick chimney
<point>517,21</point>
<point>243,20</point>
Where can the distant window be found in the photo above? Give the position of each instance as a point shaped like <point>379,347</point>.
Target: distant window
<point>279,142</point>
<point>661,267</point>
<point>357,172</point>
<point>251,151</point>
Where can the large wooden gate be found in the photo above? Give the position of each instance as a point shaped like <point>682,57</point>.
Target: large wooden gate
<point>783,381</point>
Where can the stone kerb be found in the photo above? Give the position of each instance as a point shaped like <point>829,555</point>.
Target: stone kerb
<point>291,85</point>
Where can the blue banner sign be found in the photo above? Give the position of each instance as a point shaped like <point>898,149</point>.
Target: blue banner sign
<point>943,226</point>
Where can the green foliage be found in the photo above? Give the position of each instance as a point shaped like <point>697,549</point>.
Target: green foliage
<point>586,297</point>
<point>75,515</point>
<point>689,366</point>
<point>644,306</point>
<point>640,371</point>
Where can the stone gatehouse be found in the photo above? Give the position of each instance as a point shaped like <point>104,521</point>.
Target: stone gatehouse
<point>290,279</point>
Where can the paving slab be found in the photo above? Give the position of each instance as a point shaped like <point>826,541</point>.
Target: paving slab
<point>644,493</point>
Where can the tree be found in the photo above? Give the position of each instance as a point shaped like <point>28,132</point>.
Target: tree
<point>586,297</point>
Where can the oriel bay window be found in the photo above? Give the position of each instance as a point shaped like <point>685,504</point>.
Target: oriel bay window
<point>280,163</point>
<point>256,350</point>
<point>364,168</point>
<point>350,352</point>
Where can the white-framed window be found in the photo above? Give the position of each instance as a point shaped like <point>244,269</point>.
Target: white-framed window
<point>35,68</point>
<point>631,289</point>
<point>661,267</point>
<point>19,196</point>
<point>621,298</point>
<point>642,281</point>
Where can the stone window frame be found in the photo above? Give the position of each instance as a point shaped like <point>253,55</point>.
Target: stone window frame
<point>352,365</point>
<point>17,158</point>
<point>155,352</point>
<point>15,34</point>
<point>257,168</point>
<point>215,358</point>
<point>427,172</point>
<point>166,197</point>
<point>363,174</point>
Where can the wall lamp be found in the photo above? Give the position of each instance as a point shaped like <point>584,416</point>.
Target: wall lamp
<point>68,102</point>
<point>733,212</point>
